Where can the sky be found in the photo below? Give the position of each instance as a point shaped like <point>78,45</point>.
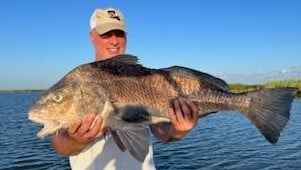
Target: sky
<point>238,40</point>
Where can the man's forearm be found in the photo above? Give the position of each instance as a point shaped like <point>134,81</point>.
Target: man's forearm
<point>65,145</point>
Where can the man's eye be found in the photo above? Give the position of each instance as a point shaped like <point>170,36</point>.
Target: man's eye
<point>58,97</point>
<point>117,33</point>
<point>106,35</point>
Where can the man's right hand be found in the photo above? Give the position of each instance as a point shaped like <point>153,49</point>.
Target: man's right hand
<point>85,130</point>
<point>80,133</point>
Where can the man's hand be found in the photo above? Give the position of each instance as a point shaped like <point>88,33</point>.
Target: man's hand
<point>86,130</point>
<point>80,133</point>
<point>183,116</point>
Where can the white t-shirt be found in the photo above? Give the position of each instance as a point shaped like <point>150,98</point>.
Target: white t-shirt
<point>104,154</point>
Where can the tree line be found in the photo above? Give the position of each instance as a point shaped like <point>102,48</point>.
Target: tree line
<point>270,84</point>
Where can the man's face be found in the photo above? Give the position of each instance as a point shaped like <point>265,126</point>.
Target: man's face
<point>109,44</point>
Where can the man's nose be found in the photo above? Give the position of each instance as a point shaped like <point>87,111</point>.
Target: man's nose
<point>113,39</point>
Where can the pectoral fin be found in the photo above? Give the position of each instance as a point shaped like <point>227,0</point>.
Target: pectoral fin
<point>118,141</point>
<point>135,140</point>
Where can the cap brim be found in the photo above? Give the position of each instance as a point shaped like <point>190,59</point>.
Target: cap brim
<point>109,27</point>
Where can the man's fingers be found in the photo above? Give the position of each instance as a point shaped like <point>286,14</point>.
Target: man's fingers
<point>178,110</point>
<point>86,123</point>
<point>96,122</point>
<point>94,128</point>
<point>186,112</point>
<point>74,126</point>
<point>194,109</point>
<point>172,115</point>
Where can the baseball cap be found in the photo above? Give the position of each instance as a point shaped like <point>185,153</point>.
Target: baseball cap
<point>104,20</point>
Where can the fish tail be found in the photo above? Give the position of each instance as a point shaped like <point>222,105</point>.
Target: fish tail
<point>269,110</point>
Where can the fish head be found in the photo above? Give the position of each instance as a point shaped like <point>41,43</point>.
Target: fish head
<point>56,107</point>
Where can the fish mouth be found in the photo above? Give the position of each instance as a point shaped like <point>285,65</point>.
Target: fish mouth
<point>50,126</point>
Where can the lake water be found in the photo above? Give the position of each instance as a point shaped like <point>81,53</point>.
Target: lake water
<point>220,141</point>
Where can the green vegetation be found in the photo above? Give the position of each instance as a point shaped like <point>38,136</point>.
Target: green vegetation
<point>237,88</point>
<point>270,84</point>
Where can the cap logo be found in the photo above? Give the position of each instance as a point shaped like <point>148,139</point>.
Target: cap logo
<point>112,14</point>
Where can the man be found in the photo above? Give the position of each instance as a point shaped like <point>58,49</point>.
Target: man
<point>84,141</point>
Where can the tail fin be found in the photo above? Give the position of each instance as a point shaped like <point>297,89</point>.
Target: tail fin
<point>270,110</point>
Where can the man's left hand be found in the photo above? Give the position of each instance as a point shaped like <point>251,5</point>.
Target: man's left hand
<point>183,116</point>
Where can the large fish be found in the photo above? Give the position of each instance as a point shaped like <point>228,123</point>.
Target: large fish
<point>130,97</point>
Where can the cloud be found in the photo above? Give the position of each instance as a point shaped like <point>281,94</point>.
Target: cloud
<point>263,76</point>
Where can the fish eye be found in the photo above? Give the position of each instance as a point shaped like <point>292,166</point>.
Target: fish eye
<point>57,97</point>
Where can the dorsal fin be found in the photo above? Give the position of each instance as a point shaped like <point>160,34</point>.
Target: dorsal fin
<point>124,58</point>
<point>122,65</point>
<point>202,77</point>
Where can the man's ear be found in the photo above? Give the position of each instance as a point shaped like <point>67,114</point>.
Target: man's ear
<point>92,36</point>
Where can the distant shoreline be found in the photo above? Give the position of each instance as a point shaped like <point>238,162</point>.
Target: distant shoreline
<point>22,90</point>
